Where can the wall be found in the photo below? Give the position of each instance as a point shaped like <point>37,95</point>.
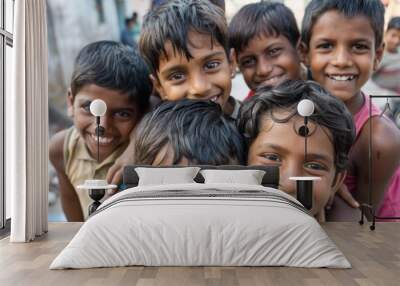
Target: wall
<point>73,24</point>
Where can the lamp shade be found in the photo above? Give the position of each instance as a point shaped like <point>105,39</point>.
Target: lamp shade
<point>98,107</point>
<point>305,107</point>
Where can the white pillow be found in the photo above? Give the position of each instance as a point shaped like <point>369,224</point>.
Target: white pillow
<point>166,176</point>
<point>248,177</point>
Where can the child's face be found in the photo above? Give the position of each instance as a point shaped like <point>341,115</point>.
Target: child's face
<point>119,120</point>
<point>342,53</point>
<point>268,60</point>
<point>392,40</point>
<point>206,76</point>
<point>278,143</point>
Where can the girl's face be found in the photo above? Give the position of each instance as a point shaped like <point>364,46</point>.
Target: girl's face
<point>279,144</point>
<point>121,117</point>
<point>342,53</point>
<point>269,61</point>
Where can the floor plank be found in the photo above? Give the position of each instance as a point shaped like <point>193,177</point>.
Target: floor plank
<point>374,255</point>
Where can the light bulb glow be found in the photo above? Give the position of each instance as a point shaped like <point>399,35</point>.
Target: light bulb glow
<point>305,108</point>
<point>98,107</point>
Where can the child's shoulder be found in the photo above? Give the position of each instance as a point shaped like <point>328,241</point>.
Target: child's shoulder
<point>385,142</point>
<point>385,132</point>
<point>56,147</point>
<point>385,136</point>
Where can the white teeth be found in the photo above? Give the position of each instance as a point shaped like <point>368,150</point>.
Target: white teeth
<point>342,77</point>
<point>214,98</point>
<point>102,140</point>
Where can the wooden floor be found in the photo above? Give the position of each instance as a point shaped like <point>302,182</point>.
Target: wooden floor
<point>374,255</point>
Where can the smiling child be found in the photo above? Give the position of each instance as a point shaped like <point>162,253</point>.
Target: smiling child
<point>343,43</point>
<point>271,124</point>
<point>185,44</point>
<point>265,39</point>
<point>117,75</point>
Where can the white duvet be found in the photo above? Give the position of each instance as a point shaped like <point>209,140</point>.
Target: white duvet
<point>201,224</point>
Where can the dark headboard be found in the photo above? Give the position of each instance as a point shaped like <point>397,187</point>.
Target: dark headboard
<point>270,179</point>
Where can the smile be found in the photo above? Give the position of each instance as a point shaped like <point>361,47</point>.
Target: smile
<point>342,77</point>
<point>271,80</point>
<point>102,140</point>
<point>214,98</point>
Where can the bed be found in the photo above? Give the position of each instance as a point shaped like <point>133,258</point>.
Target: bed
<point>201,223</point>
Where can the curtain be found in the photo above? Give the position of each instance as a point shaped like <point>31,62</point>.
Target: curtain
<point>27,123</point>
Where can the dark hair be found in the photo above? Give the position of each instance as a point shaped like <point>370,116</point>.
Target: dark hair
<point>128,21</point>
<point>219,3</point>
<point>196,130</point>
<point>172,22</point>
<point>113,66</point>
<point>329,112</point>
<point>134,16</point>
<point>394,23</point>
<point>263,18</point>
<point>372,9</point>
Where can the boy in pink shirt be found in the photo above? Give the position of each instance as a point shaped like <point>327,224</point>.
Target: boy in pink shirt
<point>343,45</point>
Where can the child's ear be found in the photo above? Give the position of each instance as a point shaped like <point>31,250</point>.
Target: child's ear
<point>157,86</point>
<point>338,180</point>
<point>70,103</point>
<point>232,62</point>
<point>303,52</point>
<point>378,56</point>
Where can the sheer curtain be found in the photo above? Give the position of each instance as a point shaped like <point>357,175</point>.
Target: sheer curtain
<point>27,123</point>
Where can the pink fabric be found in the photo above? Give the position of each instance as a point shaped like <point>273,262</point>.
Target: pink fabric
<point>390,205</point>
<point>250,95</point>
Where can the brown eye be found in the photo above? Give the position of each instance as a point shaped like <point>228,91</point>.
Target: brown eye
<point>247,63</point>
<point>324,46</point>
<point>178,76</point>
<point>272,157</point>
<point>361,47</point>
<point>86,106</point>
<point>212,65</point>
<point>274,52</point>
<point>315,166</point>
<point>123,114</point>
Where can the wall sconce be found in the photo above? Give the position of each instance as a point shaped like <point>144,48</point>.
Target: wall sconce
<point>97,188</point>
<point>304,185</point>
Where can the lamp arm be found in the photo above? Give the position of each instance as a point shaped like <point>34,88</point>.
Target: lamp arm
<point>98,139</point>
<point>305,137</point>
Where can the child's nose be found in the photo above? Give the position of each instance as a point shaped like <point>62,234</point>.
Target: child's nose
<point>105,121</point>
<point>200,86</point>
<point>287,171</point>
<point>288,186</point>
<point>342,58</point>
<point>264,68</point>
